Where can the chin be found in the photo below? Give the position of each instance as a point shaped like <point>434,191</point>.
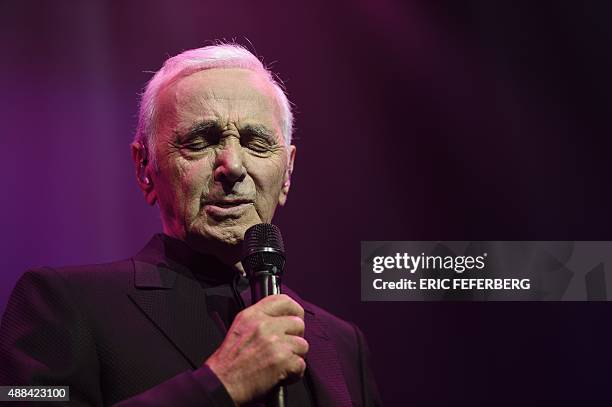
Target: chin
<point>230,235</point>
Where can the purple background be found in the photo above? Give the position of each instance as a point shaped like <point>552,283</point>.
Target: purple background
<point>421,120</point>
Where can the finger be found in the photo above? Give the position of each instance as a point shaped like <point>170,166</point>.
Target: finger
<point>279,326</point>
<point>291,325</point>
<point>296,368</point>
<point>299,345</point>
<point>280,305</point>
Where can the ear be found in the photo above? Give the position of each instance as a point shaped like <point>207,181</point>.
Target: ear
<point>282,197</point>
<point>143,172</point>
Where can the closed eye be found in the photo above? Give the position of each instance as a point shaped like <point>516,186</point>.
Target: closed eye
<point>201,136</point>
<point>258,139</point>
<point>256,144</point>
<point>202,141</point>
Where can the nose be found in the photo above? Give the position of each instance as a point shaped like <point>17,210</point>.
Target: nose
<point>229,167</point>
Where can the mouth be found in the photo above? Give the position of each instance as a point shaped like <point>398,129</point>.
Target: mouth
<point>227,207</point>
<point>227,203</point>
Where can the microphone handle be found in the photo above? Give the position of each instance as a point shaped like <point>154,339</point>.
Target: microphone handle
<point>265,283</point>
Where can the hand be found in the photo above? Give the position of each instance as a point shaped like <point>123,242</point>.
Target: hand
<point>263,347</point>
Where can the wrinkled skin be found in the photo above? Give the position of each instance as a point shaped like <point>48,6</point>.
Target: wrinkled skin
<point>263,347</point>
<point>218,139</point>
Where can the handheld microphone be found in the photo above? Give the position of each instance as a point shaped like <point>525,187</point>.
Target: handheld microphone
<point>263,260</point>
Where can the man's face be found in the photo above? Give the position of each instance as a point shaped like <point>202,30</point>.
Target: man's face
<point>223,165</point>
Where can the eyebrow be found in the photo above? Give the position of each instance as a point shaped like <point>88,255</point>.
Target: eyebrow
<point>204,126</point>
<point>260,131</point>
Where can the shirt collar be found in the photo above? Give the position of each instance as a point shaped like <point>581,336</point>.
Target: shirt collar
<point>164,252</point>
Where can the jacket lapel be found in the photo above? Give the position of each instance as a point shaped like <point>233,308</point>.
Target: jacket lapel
<point>329,383</point>
<point>174,304</point>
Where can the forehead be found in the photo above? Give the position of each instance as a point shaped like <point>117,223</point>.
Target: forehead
<point>223,94</point>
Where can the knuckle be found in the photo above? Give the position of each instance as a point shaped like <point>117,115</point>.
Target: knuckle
<point>279,357</point>
<point>239,317</point>
<point>272,340</point>
<point>273,299</point>
<point>265,300</point>
<point>261,329</point>
<point>244,314</point>
<point>290,302</point>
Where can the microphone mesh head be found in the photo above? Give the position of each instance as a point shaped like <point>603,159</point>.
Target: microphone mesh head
<point>263,235</point>
<point>263,249</point>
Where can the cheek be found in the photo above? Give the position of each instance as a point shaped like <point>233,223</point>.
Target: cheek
<point>269,176</point>
<point>188,183</point>
<point>196,180</point>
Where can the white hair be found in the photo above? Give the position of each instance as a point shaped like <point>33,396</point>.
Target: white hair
<point>192,61</point>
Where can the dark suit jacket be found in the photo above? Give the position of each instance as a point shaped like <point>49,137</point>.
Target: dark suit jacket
<point>134,331</point>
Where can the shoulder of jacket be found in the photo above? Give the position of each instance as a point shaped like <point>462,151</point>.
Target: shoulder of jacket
<point>83,276</point>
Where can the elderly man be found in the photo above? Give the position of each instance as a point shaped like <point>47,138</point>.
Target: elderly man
<point>174,325</point>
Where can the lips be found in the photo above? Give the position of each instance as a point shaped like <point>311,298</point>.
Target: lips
<point>227,207</point>
<point>228,203</point>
